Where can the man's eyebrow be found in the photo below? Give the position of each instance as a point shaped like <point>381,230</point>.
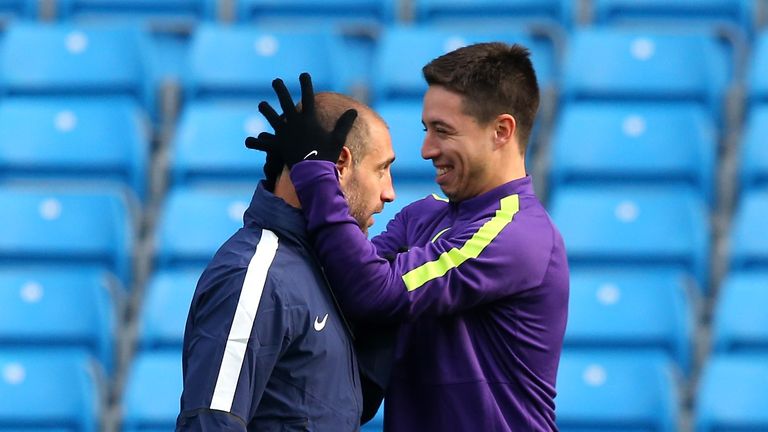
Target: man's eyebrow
<point>387,162</point>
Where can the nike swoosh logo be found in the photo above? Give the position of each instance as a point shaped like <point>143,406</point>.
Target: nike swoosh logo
<point>320,324</point>
<point>313,152</point>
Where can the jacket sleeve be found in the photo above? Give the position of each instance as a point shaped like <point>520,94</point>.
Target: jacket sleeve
<point>454,273</point>
<point>232,343</point>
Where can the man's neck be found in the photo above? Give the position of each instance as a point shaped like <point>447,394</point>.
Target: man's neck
<point>284,189</point>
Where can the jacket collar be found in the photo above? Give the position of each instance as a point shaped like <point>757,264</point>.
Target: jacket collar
<point>271,212</point>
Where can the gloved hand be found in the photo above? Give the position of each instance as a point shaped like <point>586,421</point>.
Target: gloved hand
<point>298,134</point>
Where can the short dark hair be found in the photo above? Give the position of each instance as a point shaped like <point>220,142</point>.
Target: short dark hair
<point>329,106</point>
<point>493,78</point>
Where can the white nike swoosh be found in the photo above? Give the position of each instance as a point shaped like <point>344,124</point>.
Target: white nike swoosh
<point>320,324</point>
<point>313,152</point>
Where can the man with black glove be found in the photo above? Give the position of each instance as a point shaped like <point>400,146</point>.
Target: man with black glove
<point>265,347</point>
<point>483,289</point>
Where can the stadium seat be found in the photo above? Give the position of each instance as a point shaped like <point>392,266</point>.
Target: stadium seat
<point>166,305</point>
<point>749,238</point>
<point>75,61</point>
<point>633,312</point>
<point>407,131</point>
<point>196,221</point>
<point>741,321</point>
<point>254,57</point>
<point>14,9</point>
<point>403,51</point>
<point>88,141</point>
<point>731,394</point>
<point>341,12</point>
<point>406,192</point>
<point>208,146</point>
<point>754,153</point>
<point>54,310</point>
<point>74,229</point>
<point>152,13</point>
<point>635,143</point>
<point>758,81</point>
<point>45,392</point>
<point>635,65</point>
<point>677,13</point>
<point>602,391</point>
<point>151,397</point>
<point>634,227</point>
<point>493,11</point>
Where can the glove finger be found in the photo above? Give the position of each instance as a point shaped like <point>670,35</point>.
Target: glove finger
<point>307,94</point>
<point>284,96</point>
<point>271,115</point>
<point>343,126</point>
<point>265,142</point>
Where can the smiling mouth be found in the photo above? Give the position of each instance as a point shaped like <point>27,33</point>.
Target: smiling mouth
<point>442,170</point>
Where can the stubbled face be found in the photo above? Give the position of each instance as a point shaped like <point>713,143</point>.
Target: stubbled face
<point>459,147</point>
<point>368,184</point>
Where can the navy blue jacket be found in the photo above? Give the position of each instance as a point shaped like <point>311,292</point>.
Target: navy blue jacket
<point>265,346</point>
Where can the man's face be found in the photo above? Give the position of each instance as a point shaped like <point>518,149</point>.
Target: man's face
<point>369,182</point>
<point>458,146</point>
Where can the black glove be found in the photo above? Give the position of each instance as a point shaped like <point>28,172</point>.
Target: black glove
<point>298,134</point>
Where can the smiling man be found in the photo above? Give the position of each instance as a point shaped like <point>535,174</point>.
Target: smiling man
<point>482,285</point>
<point>265,347</point>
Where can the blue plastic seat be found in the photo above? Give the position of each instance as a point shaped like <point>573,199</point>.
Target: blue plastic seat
<point>254,57</point>
<point>758,81</point>
<point>675,13</point>
<point>635,143</point>
<point>749,238</point>
<point>166,305</point>
<point>754,152</point>
<point>208,146</point>
<point>49,392</point>
<point>14,9</point>
<point>344,12</point>
<point>635,65</point>
<point>602,391</point>
<point>57,228</point>
<point>195,222</point>
<point>407,131</point>
<point>634,227</point>
<point>75,61</point>
<point>53,310</point>
<point>403,51</point>
<point>741,324</point>
<point>731,395</point>
<point>151,397</point>
<point>88,141</point>
<point>162,14</point>
<point>633,311</point>
<point>406,192</point>
<point>493,11</point>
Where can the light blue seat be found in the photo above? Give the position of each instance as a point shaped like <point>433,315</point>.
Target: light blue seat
<point>344,12</point>
<point>54,310</point>
<point>608,391</point>
<point>633,311</point>
<point>634,227</point>
<point>254,57</point>
<point>754,152</point>
<point>749,236</point>
<point>635,143</point>
<point>402,52</point>
<point>72,228</point>
<point>731,395</point>
<point>195,222</point>
<point>151,397</point>
<point>89,141</point>
<point>208,146</point>
<point>757,80</point>
<point>49,392</point>
<point>493,11</point>
<point>75,61</point>
<point>406,192</point>
<point>404,120</point>
<point>14,9</point>
<point>163,14</point>
<point>741,321</point>
<point>640,65</point>
<point>677,13</point>
<point>166,305</point>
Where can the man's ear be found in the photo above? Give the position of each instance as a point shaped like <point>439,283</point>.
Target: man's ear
<point>506,126</point>
<point>345,161</point>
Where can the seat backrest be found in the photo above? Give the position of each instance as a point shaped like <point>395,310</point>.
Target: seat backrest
<point>166,305</point>
<point>81,140</point>
<point>347,12</point>
<point>673,12</point>
<point>407,131</point>
<point>67,228</point>
<point>740,323</point>
<point>493,11</point>
<point>749,238</point>
<point>152,393</point>
<point>754,153</point>
<point>758,81</point>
